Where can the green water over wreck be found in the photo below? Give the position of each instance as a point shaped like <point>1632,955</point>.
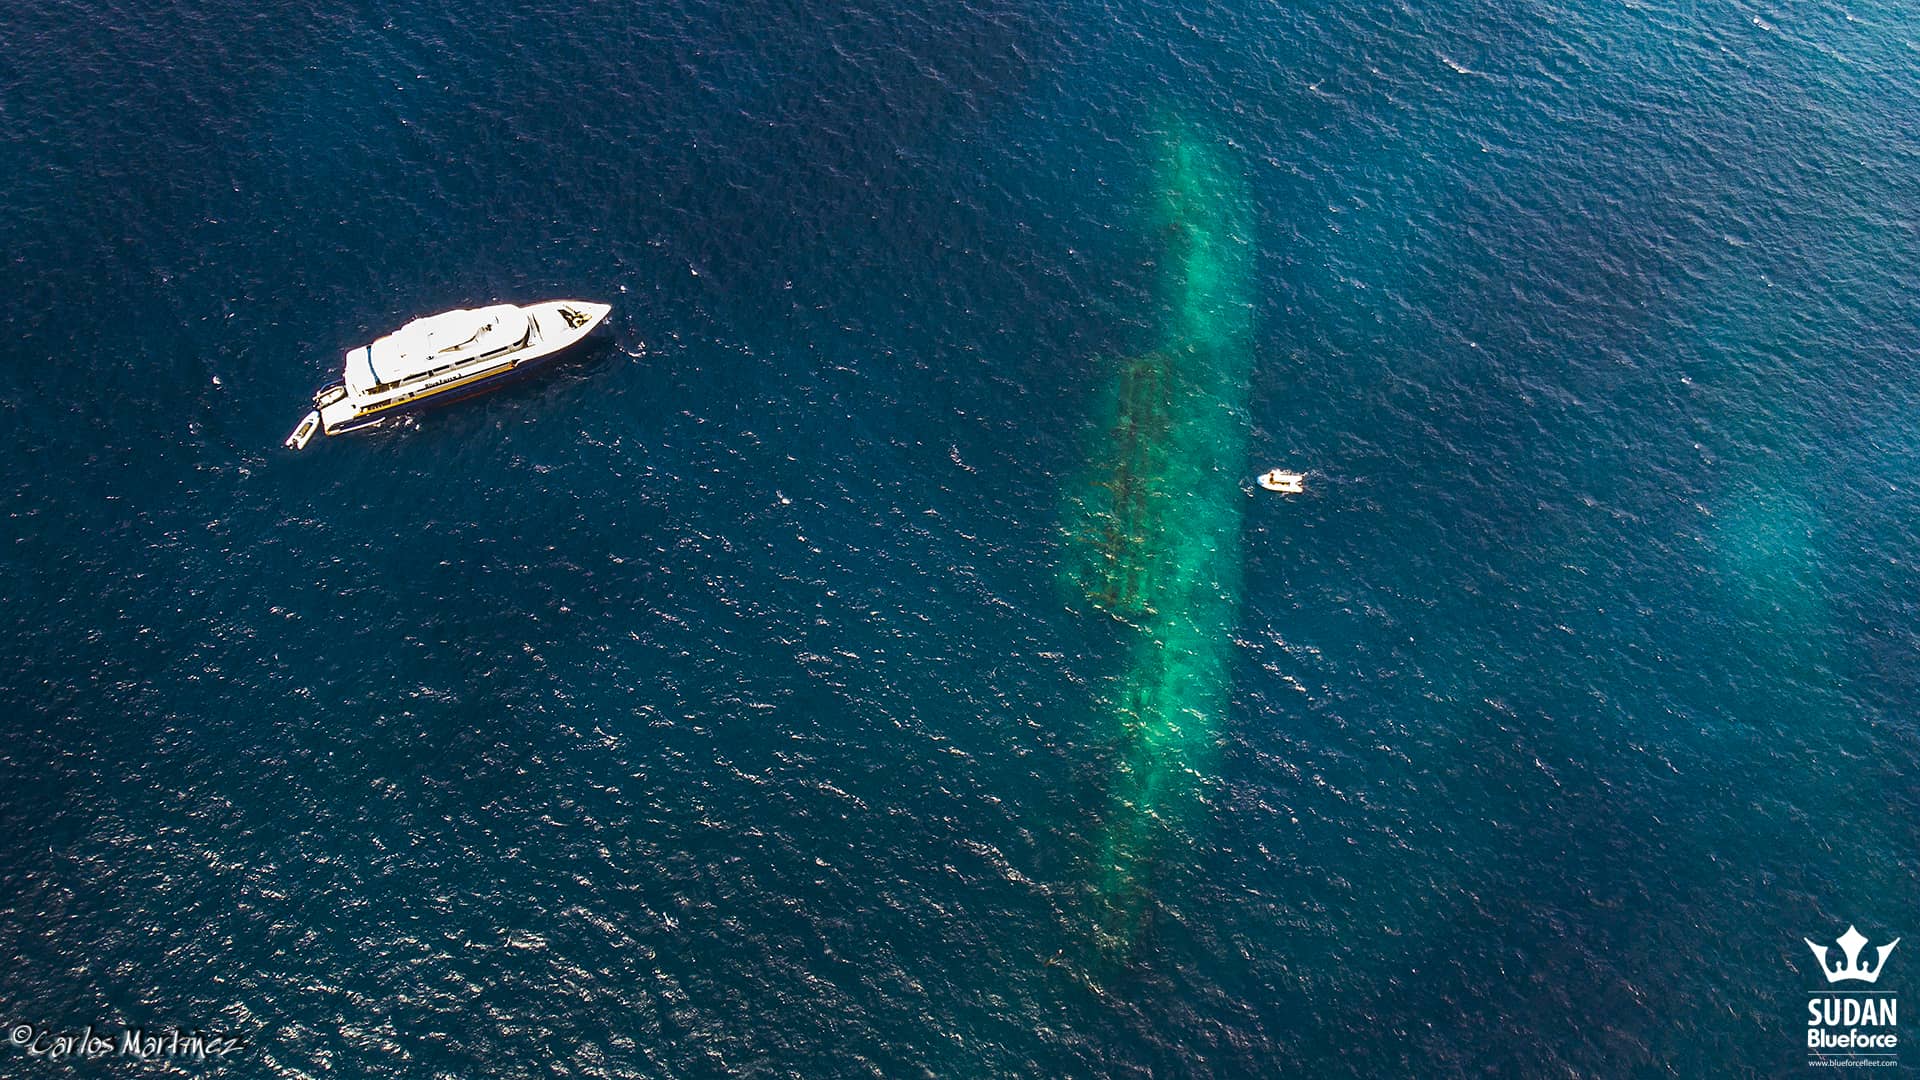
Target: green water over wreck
<point>1154,527</point>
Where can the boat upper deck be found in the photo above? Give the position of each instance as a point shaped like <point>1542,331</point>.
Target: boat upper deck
<point>436,343</point>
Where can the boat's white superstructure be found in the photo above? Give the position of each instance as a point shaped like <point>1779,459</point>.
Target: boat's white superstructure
<point>441,357</point>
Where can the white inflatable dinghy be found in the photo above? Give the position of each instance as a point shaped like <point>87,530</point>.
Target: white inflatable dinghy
<point>1284,482</point>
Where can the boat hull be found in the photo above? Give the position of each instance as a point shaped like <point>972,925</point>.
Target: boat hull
<point>484,384</point>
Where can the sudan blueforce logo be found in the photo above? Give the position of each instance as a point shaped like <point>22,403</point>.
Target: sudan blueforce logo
<point>1852,942</point>
<point>1852,1028</point>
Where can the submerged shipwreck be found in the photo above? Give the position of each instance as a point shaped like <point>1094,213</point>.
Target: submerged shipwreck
<point>1154,529</point>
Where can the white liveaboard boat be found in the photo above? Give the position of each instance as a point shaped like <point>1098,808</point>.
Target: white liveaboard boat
<point>444,357</point>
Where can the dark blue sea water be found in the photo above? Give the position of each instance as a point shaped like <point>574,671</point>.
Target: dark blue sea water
<point>712,705</point>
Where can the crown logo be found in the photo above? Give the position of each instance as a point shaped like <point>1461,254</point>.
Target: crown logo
<point>1851,943</point>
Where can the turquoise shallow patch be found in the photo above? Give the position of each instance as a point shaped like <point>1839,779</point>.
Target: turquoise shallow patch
<point>1156,523</point>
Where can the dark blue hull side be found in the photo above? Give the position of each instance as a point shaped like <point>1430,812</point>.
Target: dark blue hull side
<point>483,386</point>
